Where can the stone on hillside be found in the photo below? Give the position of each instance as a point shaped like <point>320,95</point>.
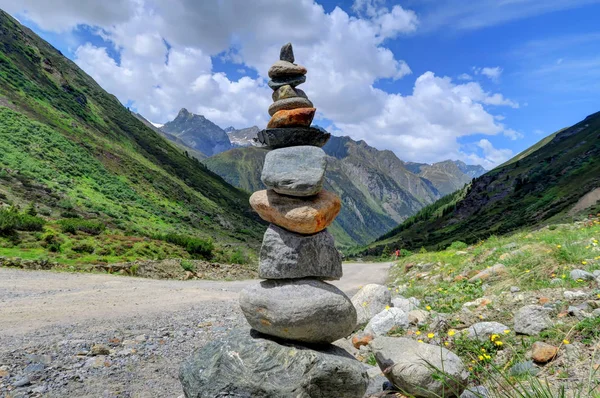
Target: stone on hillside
<point>417,317</point>
<point>488,273</point>
<point>387,321</point>
<point>301,117</point>
<point>287,53</point>
<point>406,304</point>
<point>569,295</point>
<point>283,69</point>
<point>596,273</point>
<point>286,81</point>
<point>292,136</point>
<point>581,274</point>
<point>284,92</point>
<point>305,310</point>
<point>289,103</point>
<point>523,368</point>
<point>483,330</point>
<point>542,352</point>
<point>286,255</point>
<point>361,339</point>
<point>408,365</point>
<point>531,320</point>
<point>370,301</point>
<point>307,215</point>
<point>295,171</point>
<point>475,392</point>
<point>245,364</point>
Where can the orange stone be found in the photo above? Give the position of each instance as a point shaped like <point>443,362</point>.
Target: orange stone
<point>543,300</point>
<point>542,352</point>
<point>299,117</point>
<point>361,339</point>
<point>459,278</point>
<point>304,215</point>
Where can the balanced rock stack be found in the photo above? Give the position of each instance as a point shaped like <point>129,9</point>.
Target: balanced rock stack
<point>294,313</point>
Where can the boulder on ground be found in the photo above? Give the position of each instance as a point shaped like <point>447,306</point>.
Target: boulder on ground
<point>488,273</point>
<point>406,304</point>
<point>386,321</point>
<point>532,319</point>
<point>483,330</point>
<point>542,352</point>
<point>420,369</point>
<point>245,364</point>
<point>370,301</point>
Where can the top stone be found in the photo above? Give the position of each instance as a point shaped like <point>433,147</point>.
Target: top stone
<point>287,53</point>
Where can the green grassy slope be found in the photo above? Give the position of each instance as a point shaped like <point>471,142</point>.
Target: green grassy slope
<point>541,187</point>
<point>72,150</point>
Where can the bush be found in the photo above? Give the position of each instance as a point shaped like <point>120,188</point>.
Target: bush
<point>194,246</point>
<point>72,225</point>
<point>84,248</point>
<point>238,257</point>
<point>458,245</point>
<point>11,220</point>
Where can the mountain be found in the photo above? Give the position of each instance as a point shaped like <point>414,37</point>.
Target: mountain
<point>73,154</point>
<point>198,132</point>
<point>178,142</point>
<point>242,138</point>
<point>377,189</point>
<point>553,180</point>
<point>447,176</point>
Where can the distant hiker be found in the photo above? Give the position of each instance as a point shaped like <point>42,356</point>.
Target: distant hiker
<point>397,254</point>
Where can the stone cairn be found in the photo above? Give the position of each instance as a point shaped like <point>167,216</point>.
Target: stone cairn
<point>296,313</point>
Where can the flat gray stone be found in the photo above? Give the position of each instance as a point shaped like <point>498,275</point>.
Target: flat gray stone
<point>475,392</point>
<point>289,103</point>
<point>305,310</point>
<point>370,301</point>
<point>532,319</point>
<point>287,53</point>
<point>483,330</point>
<point>295,171</point>
<point>418,368</point>
<point>387,321</point>
<point>292,136</point>
<point>246,364</point>
<point>292,81</point>
<point>288,255</point>
<point>284,69</point>
<point>406,304</point>
<point>581,274</point>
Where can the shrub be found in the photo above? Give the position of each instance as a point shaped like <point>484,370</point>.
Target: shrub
<point>72,225</point>
<point>11,220</point>
<point>238,257</point>
<point>458,245</point>
<point>188,266</point>
<point>84,248</point>
<point>193,245</point>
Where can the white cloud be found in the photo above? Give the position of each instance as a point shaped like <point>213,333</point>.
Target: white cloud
<point>491,156</point>
<point>345,56</point>
<point>492,73</point>
<point>465,76</point>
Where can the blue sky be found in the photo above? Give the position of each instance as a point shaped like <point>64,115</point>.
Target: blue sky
<point>428,79</point>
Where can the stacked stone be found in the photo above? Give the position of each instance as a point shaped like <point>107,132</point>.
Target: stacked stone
<point>298,252</point>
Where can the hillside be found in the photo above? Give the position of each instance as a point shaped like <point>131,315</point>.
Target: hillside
<point>377,189</point>
<point>541,186</point>
<point>197,132</point>
<point>103,185</point>
<point>446,176</point>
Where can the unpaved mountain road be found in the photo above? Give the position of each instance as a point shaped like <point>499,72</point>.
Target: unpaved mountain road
<point>53,319</point>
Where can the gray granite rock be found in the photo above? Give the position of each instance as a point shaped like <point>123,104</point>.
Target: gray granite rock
<point>581,274</point>
<point>245,364</point>
<point>287,255</point>
<point>387,321</point>
<point>295,171</point>
<point>532,319</point>
<point>292,136</point>
<point>292,81</point>
<point>287,53</point>
<point>289,103</point>
<point>306,310</point>
<point>475,392</point>
<point>406,304</point>
<point>284,69</point>
<point>411,366</point>
<point>370,301</point>
<point>483,330</point>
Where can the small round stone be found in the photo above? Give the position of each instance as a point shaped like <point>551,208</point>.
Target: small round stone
<point>283,69</point>
<point>289,103</point>
<point>287,91</point>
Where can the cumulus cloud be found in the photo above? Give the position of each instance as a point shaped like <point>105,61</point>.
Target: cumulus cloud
<point>167,47</point>
<point>492,73</point>
<point>465,76</point>
<point>491,156</point>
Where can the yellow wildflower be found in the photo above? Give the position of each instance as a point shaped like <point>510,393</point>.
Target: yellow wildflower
<point>452,332</point>
<point>527,271</point>
<point>507,331</point>
<point>446,343</point>
<point>387,307</point>
<point>418,332</point>
<point>565,341</point>
<point>494,337</point>
<point>486,356</point>
<point>498,343</point>
<point>584,262</point>
<point>558,246</point>
<point>483,350</point>
<point>428,308</point>
<point>431,335</point>
<point>480,357</point>
<point>419,341</point>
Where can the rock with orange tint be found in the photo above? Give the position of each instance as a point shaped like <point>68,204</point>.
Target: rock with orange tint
<point>542,352</point>
<point>300,117</point>
<point>304,215</point>
<point>488,273</point>
<point>543,300</point>
<point>459,278</point>
<point>361,339</point>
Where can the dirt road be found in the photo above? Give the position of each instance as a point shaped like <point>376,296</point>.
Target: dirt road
<point>50,321</point>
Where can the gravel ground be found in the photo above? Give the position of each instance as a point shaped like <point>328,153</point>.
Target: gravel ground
<point>81,335</point>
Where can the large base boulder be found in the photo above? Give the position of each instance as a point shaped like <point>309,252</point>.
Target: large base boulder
<point>246,364</point>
